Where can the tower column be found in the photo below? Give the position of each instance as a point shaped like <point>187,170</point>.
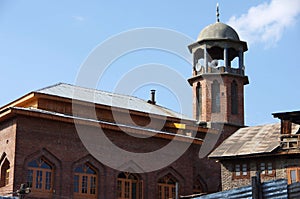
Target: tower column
<point>205,59</point>
<point>226,60</point>
<point>241,61</point>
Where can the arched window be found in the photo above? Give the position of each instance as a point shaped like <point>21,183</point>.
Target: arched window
<point>85,182</point>
<point>234,98</point>
<point>40,175</point>
<point>197,187</point>
<point>215,97</point>
<point>5,169</point>
<point>199,101</point>
<point>167,187</point>
<point>129,186</point>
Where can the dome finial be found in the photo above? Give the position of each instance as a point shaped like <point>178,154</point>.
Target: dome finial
<point>217,13</point>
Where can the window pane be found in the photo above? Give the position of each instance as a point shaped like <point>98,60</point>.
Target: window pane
<point>84,184</point>
<point>29,178</point>
<point>270,168</point>
<point>76,183</point>
<point>89,170</point>
<point>39,179</point>
<point>33,164</point>
<point>159,192</point>
<point>79,170</point>
<point>293,176</point>
<point>244,169</point>
<point>48,180</point>
<point>127,189</point>
<point>237,170</point>
<point>119,188</point>
<point>133,192</point>
<point>45,165</point>
<point>263,168</point>
<point>166,190</point>
<point>173,192</point>
<point>93,185</point>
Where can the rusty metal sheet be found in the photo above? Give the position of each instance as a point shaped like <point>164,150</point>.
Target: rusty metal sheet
<point>251,140</point>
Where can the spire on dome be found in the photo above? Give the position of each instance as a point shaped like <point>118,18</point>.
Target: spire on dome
<point>217,13</point>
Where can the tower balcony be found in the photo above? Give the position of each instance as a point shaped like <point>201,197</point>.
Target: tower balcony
<point>221,70</point>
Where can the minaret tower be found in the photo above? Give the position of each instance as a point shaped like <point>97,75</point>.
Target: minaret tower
<point>218,75</point>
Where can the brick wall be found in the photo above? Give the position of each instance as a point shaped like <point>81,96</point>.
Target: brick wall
<point>59,143</point>
<point>7,151</point>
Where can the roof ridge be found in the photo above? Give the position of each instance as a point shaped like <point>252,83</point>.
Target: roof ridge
<point>38,90</point>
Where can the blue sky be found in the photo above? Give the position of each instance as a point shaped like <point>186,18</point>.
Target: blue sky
<point>46,42</point>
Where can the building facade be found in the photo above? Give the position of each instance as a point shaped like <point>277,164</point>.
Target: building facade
<point>41,147</point>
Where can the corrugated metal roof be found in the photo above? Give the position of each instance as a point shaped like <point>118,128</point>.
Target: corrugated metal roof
<point>294,190</point>
<point>109,99</point>
<point>275,189</point>
<point>251,140</point>
<point>239,193</point>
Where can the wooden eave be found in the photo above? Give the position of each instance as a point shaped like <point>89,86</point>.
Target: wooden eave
<point>20,102</point>
<point>35,96</point>
<point>260,155</point>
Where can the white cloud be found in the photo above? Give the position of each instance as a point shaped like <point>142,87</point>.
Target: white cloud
<point>78,18</point>
<point>266,22</point>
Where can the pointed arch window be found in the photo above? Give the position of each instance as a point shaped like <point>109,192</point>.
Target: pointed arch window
<point>5,170</point>
<point>215,97</point>
<point>129,186</point>
<point>85,181</point>
<point>197,187</point>
<point>40,175</point>
<point>167,187</point>
<point>199,101</point>
<point>234,98</point>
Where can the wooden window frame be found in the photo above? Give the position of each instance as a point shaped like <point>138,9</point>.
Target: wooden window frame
<point>38,177</point>
<point>297,170</point>
<point>265,172</point>
<point>241,171</point>
<point>87,185</point>
<point>124,186</point>
<point>167,187</point>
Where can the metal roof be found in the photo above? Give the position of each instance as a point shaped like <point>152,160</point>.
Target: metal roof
<point>274,189</point>
<point>110,99</point>
<point>251,140</point>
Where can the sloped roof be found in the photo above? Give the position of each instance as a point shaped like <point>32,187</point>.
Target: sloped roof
<point>251,140</point>
<point>110,99</point>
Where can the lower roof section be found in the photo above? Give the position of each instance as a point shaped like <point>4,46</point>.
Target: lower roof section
<point>256,140</point>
